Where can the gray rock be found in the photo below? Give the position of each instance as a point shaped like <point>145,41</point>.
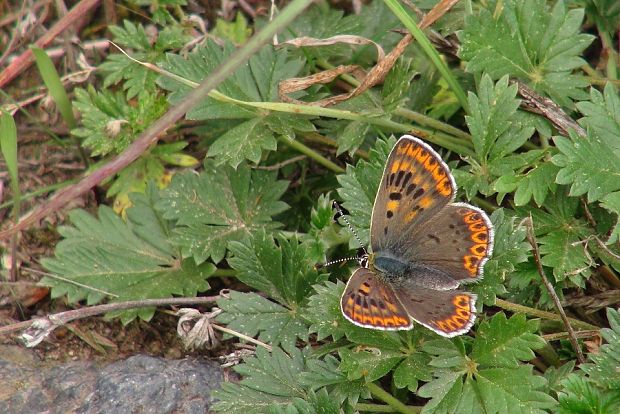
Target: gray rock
<point>140,384</point>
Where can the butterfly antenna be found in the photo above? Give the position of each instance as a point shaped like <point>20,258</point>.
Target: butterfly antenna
<point>344,217</point>
<point>333,262</point>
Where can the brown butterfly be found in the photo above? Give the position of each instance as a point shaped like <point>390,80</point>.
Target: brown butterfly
<point>424,246</point>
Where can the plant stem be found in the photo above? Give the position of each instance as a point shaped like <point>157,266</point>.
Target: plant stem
<point>433,123</point>
<point>375,408</point>
<point>513,307</point>
<point>389,399</point>
<point>298,146</point>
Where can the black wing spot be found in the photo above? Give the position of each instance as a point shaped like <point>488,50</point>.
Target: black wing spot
<point>399,177</point>
<point>419,192</point>
<point>396,196</point>
<point>406,179</point>
<point>434,238</point>
<point>410,188</point>
<point>389,214</point>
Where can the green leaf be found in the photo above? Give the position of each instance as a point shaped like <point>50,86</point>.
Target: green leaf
<point>132,260</point>
<point>54,85</point>
<point>245,141</point>
<point>605,365</point>
<point>323,311</point>
<point>270,380</point>
<point>369,363</point>
<point>219,205</point>
<point>582,397</point>
<point>110,123</point>
<point>138,78</point>
<point>325,373</point>
<point>316,403</point>
<point>601,115</point>
<point>611,202</point>
<point>444,391</point>
<point>351,136</point>
<point>281,270</point>
<point>560,236</point>
<point>503,342</point>
<point>359,187</point>
<point>237,31</point>
<point>536,183</point>
<point>253,315</point>
<point>512,390</point>
<point>8,146</point>
<point>411,370</point>
<point>510,249</point>
<point>255,82</point>
<point>591,164</point>
<point>497,131</point>
<point>588,165</point>
<point>531,42</point>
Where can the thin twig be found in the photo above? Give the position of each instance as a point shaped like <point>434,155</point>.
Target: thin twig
<point>68,316</point>
<point>529,225</point>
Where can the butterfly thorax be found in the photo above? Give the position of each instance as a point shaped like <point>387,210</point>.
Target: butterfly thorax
<point>400,273</point>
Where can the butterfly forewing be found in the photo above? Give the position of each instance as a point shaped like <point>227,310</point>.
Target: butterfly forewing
<point>369,302</point>
<point>416,185</point>
<point>447,312</point>
<point>457,241</point>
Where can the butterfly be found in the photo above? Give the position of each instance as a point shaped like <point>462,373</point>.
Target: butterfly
<point>424,246</point>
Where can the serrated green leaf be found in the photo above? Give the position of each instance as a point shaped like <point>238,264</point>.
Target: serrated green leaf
<point>369,363</point>
<point>246,141</point>
<point>497,131</point>
<point>582,397</point>
<point>110,123</point>
<point>560,237</point>
<point>138,78</point>
<point>236,31</point>
<point>219,205</point>
<point>502,342</point>
<point>444,391</point>
<point>316,403</point>
<point>529,41</point>
<point>588,165</point>
<point>132,260</point>
<point>611,202</point>
<point>536,183</point>
<point>279,268</point>
<point>253,315</point>
<point>270,380</point>
<point>325,373</point>
<point>512,390</point>
<point>352,136</point>
<point>411,370</point>
<point>323,311</point>
<point>601,115</point>
<point>510,249</point>
<point>604,368</point>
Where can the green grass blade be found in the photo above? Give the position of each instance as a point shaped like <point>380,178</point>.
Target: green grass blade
<point>54,85</point>
<point>8,144</point>
<point>430,51</point>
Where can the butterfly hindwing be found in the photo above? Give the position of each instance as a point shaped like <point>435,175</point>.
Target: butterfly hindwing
<point>416,184</point>
<point>457,241</point>
<point>447,312</point>
<point>369,302</point>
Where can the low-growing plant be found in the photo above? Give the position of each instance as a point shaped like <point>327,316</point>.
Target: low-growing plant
<point>260,205</point>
